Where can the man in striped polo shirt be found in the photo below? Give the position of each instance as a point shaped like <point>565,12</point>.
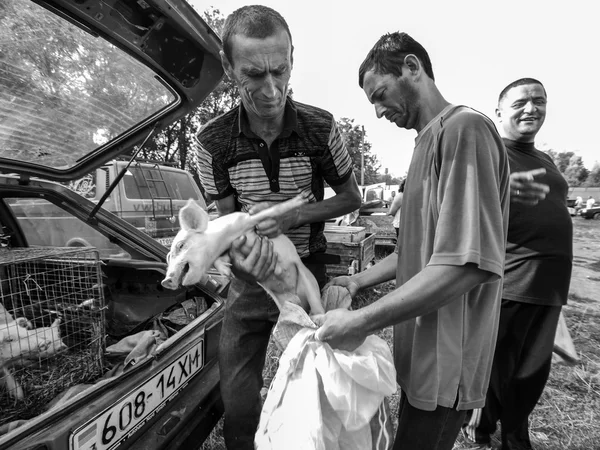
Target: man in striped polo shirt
<point>268,149</point>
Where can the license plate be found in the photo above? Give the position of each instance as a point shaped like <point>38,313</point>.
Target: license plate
<point>121,420</point>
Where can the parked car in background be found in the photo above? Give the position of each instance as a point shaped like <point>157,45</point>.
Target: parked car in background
<point>591,213</point>
<point>113,360</point>
<point>149,195</point>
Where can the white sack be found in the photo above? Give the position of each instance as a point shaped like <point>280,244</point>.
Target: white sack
<point>326,399</point>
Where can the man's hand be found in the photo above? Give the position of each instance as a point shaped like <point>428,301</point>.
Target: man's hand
<point>339,329</point>
<point>346,282</point>
<point>524,189</point>
<point>253,261</point>
<point>275,226</point>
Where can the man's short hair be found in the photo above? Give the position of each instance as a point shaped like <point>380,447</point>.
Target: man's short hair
<point>388,53</point>
<point>253,21</point>
<point>519,82</point>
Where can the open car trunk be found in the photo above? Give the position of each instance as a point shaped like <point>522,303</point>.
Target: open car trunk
<point>94,354</point>
<point>109,351</point>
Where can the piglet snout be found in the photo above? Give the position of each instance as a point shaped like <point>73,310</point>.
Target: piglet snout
<point>169,283</point>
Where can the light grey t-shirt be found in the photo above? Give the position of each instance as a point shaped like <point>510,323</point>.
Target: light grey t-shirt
<point>454,212</point>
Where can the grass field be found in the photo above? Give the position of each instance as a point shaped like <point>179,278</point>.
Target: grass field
<point>568,414</point>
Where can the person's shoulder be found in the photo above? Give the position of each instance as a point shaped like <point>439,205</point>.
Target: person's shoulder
<point>464,120</point>
<point>218,127</point>
<point>312,113</point>
<point>545,156</point>
<point>465,116</point>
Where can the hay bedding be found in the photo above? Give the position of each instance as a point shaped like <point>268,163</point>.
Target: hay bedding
<point>43,382</point>
<point>52,327</point>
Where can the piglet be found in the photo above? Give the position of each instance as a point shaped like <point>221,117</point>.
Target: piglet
<point>201,244</point>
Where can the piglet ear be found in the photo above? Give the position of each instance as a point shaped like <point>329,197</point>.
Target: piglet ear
<point>193,217</point>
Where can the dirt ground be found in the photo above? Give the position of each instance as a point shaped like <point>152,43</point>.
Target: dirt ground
<point>568,414</point>
<point>585,281</point>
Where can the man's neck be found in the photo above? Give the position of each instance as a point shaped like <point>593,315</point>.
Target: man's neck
<point>432,103</point>
<point>266,129</point>
<point>517,138</point>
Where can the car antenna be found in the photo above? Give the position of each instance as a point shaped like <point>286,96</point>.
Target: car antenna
<point>120,175</point>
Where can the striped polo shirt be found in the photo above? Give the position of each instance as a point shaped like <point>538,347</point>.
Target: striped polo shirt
<point>232,160</point>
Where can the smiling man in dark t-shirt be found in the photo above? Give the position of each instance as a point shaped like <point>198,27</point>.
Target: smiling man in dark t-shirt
<point>537,273</point>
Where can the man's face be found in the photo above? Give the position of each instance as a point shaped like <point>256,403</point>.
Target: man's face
<point>261,68</point>
<point>394,98</point>
<point>522,112</point>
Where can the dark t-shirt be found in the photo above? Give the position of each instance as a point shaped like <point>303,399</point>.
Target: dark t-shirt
<point>539,249</point>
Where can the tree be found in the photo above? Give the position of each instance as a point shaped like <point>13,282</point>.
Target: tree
<point>561,159</point>
<point>173,144</point>
<point>593,178</point>
<point>575,173</point>
<point>353,138</point>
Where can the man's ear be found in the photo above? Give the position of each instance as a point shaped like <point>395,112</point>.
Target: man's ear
<point>413,63</point>
<point>292,56</point>
<point>499,114</point>
<point>193,217</point>
<point>227,67</point>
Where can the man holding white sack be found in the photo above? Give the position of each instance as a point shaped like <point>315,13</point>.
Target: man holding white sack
<point>450,253</point>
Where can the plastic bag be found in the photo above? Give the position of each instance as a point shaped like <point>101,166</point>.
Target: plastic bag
<point>326,399</point>
<point>564,348</point>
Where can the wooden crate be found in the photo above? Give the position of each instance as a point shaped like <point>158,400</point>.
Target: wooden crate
<point>354,256</point>
<point>336,233</point>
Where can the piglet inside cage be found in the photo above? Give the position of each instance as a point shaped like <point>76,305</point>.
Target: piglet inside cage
<point>52,332</point>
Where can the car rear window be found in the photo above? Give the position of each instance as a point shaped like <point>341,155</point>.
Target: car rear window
<point>149,183</point>
<point>65,92</point>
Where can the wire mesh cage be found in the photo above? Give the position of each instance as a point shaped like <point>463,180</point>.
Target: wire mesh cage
<point>52,334</point>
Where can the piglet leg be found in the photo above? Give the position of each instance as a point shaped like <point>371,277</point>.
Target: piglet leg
<point>277,210</point>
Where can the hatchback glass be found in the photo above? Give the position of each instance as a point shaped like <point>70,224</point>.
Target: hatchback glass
<point>64,92</point>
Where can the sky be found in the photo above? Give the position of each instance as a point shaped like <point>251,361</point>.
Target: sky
<point>477,47</point>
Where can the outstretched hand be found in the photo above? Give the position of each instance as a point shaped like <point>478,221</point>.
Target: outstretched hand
<point>273,227</point>
<point>339,329</point>
<point>525,190</point>
<point>346,282</point>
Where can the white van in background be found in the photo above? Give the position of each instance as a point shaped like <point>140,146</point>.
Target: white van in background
<point>149,196</point>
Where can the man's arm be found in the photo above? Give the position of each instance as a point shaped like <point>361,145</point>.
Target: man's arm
<point>396,204</point>
<point>384,270</point>
<point>429,290</point>
<point>346,199</point>
<point>225,205</point>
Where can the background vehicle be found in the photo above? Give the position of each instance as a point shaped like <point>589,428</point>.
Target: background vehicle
<point>149,196</point>
<point>107,76</point>
<point>591,213</point>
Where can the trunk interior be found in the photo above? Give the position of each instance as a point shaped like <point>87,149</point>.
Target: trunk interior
<point>69,319</point>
